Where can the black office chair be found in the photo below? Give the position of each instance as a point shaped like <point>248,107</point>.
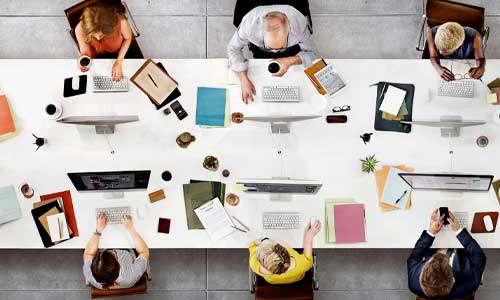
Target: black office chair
<point>74,12</point>
<point>301,290</point>
<point>244,6</point>
<point>469,297</point>
<point>438,12</point>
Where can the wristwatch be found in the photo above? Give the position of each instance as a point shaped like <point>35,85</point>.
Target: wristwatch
<point>97,233</point>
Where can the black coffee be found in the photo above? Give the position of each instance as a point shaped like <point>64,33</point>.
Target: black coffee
<point>84,61</point>
<point>166,176</point>
<point>273,67</point>
<point>51,109</point>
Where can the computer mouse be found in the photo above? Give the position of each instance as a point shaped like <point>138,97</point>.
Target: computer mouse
<point>488,223</point>
<point>75,83</point>
<point>141,212</point>
<point>313,220</point>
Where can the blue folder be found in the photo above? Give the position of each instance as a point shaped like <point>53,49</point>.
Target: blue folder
<point>211,106</point>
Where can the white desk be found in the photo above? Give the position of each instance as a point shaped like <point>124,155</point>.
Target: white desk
<point>314,150</point>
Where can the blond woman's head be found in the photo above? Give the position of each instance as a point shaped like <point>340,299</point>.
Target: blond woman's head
<point>273,257</point>
<point>99,20</point>
<point>449,37</point>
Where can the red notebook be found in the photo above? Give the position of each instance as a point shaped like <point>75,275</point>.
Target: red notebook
<point>349,223</point>
<point>68,208</point>
<point>7,124</point>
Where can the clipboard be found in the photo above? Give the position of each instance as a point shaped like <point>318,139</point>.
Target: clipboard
<point>155,82</point>
<point>388,125</point>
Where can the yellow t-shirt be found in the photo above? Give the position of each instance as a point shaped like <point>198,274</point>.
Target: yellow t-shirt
<point>303,262</point>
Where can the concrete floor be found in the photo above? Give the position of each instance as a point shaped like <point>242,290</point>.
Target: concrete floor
<point>343,29</point>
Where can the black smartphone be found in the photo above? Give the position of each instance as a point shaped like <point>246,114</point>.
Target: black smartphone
<point>444,211</point>
<point>336,119</point>
<point>179,110</point>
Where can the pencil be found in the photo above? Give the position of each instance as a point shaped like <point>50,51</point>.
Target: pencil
<point>60,228</point>
<point>239,229</point>
<point>239,222</point>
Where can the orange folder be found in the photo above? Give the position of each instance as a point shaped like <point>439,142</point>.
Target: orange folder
<point>381,178</point>
<point>7,124</point>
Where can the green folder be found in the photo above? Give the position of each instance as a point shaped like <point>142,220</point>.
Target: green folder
<point>197,194</point>
<point>329,217</point>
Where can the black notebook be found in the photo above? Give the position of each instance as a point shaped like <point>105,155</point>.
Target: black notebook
<point>389,125</point>
<point>37,213</point>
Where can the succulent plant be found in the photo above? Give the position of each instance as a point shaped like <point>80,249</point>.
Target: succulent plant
<point>369,164</point>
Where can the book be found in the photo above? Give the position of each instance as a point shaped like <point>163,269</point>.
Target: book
<point>330,80</point>
<point>349,223</point>
<point>393,100</point>
<point>10,209</point>
<point>317,65</point>
<point>212,107</point>
<point>7,124</point>
<point>58,227</point>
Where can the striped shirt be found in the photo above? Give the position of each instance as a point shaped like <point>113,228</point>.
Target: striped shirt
<point>131,270</point>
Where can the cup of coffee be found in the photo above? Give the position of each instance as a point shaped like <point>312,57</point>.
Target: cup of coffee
<point>274,67</point>
<point>26,190</point>
<point>166,176</point>
<point>53,110</point>
<point>84,62</point>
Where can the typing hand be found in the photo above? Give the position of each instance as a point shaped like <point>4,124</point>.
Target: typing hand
<point>453,222</point>
<point>445,74</point>
<point>476,73</point>
<point>437,222</point>
<point>101,222</point>
<point>127,222</point>
<point>117,72</point>
<point>247,90</point>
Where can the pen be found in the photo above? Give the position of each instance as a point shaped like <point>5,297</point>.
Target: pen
<point>239,222</point>
<point>152,80</point>
<point>60,228</point>
<point>238,229</point>
<point>401,197</point>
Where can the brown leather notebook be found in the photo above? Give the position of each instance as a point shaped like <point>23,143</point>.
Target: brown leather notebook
<point>478,223</point>
<point>156,83</point>
<point>318,65</point>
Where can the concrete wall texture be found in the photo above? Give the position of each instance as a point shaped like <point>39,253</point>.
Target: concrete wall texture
<point>343,29</point>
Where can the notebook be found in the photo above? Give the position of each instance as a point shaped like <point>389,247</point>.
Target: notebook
<point>349,223</point>
<point>330,219</point>
<point>7,124</point>
<point>58,227</point>
<point>9,205</point>
<point>212,107</point>
<point>393,99</point>
<point>396,188</point>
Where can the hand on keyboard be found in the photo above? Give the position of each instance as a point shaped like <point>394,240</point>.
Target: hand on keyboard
<point>127,222</point>
<point>101,222</point>
<point>117,71</point>
<point>445,73</point>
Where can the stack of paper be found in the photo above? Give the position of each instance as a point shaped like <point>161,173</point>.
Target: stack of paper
<point>198,193</point>
<point>393,106</point>
<point>344,221</point>
<point>7,124</point>
<point>212,107</point>
<point>393,192</point>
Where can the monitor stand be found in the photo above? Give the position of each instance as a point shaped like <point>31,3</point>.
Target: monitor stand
<point>113,195</point>
<point>450,132</point>
<point>280,127</point>
<point>280,197</point>
<point>104,129</point>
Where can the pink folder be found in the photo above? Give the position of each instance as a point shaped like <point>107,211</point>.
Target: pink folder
<point>349,223</point>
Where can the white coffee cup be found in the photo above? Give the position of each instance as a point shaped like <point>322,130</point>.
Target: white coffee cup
<point>53,110</point>
<point>85,62</point>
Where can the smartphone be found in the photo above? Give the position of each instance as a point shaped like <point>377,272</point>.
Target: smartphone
<point>444,211</point>
<point>179,110</point>
<point>336,119</point>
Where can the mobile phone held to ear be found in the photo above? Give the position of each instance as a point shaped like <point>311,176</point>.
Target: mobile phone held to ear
<point>336,119</point>
<point>444,211</point>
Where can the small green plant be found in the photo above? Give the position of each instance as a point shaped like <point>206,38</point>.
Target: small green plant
<point>369,164</point>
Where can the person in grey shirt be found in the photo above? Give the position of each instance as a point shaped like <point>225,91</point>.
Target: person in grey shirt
<point>277,32</point>
<point>114,269</point>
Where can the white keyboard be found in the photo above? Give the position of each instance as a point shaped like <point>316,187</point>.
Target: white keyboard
<point>462,219</point>
<point>456,88</point>
<point>103,84</point>
<point>281,220</point>
<point>281,94</point>
<point>114,214</point>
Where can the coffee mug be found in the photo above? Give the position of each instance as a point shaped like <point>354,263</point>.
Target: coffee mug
<point>274,67</point>
<point>84,62</point>
<point>53,110</point>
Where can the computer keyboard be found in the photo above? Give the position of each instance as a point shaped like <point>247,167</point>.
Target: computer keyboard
<point>114,214</point>
<point>462,219</point>
<point>456,88</point>
<point>103,84</point>
<point>281,220</point>
<point>281,94</point>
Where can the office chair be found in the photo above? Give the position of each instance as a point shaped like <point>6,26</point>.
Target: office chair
<point>244,6</point>
<point>74,12</point>
<point>302,290</point>
<point>141,287</point>
<point>470,297</point>
<point>438,12</point>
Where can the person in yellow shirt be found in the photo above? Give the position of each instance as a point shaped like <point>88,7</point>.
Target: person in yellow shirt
<point>280,265</point>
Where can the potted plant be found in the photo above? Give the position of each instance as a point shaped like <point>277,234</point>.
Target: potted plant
<point>369,164</point>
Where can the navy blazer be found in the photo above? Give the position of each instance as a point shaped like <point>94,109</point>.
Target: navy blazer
<point>467,269</point>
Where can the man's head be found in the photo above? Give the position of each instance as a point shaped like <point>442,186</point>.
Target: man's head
<point>275,29</point>
<point>449,37</point>
<point>436,278</point>
<point>105,268</point>
<point>273,256</point>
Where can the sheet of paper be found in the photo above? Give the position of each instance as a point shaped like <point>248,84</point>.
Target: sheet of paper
<point>396,188</point>
<point>393,100</point>
<point>58,227</point>
<point>215,219</point>
<point>155,82</point>
<point>219,72</point>
<point>9,205</point>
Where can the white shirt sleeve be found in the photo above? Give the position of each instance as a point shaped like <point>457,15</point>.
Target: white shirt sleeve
<point>237,59</point>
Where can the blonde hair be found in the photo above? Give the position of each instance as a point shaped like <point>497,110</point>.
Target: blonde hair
<point>449,37</point>
<point>100,18</point>
<point>281,28</point>
<point>273,256</point>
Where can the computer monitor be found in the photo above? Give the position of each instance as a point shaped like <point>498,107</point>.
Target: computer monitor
<point>103,124</point>
<point>281,124</point>
<point>450,125</point>
<point>280,186</point>
<point>117,181</point>
<point>448,181</point>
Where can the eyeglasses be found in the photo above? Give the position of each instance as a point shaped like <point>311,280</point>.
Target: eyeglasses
<point>459,76</point>
<point>277,49</point>
<point>341,108</point>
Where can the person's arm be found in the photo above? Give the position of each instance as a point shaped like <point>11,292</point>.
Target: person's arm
<point>140,246</point>
<point>93,243</point>
<point>84,47</point>
<point>478,71</point>
<point>434,56</point>
<point>126,32</point>
<point>239,64</point>
<point>311,232</point>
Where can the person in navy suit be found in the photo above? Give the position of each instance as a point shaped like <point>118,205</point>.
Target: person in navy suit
<point>451,273</point>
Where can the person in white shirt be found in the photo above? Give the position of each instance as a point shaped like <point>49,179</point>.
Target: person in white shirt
<point>278,32</point>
